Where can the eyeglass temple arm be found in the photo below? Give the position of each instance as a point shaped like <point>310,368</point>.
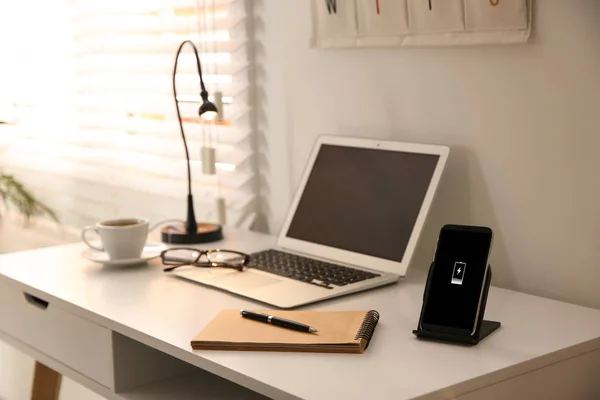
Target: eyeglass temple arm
<point>196,264</point>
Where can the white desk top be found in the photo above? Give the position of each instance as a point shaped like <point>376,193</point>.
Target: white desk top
<point>165,312</point>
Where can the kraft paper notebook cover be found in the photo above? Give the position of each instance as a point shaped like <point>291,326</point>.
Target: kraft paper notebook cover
<point>339,332</point>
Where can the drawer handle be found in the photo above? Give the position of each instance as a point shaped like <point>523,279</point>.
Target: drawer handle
<point>36,301</point>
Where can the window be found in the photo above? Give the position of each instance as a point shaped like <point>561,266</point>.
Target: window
<point>96,133</point>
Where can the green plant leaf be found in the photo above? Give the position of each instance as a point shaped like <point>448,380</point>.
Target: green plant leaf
<point>14,194</point>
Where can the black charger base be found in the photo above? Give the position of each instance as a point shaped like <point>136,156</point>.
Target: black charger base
<point>484,328</point>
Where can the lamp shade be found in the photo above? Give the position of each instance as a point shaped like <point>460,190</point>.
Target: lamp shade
<point>208,111</point>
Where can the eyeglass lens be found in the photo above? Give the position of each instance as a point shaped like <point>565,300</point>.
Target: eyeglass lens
<point>188,256</point>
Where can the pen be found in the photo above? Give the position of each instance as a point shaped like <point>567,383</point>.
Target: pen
<point>281,322</point>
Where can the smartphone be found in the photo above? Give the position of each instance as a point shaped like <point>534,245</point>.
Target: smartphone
<point>456,282</point>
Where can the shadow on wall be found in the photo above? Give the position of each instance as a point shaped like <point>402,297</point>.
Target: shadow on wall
<point>260,123</point>
<point>462,182</point>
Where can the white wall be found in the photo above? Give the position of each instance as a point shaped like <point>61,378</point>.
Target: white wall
<point>523,123</point>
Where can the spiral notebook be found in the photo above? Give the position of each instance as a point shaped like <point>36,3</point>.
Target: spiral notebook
<point>338,332</point>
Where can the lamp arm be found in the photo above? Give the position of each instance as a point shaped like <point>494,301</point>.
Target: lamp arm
<point>187,153</point>
<point>203,94</point>
<point>198,65</point>
<point>191,226</point>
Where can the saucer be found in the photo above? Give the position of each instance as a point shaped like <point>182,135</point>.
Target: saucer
<point>151,250</point>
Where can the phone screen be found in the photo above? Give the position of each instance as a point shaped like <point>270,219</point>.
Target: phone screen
<point>460,266</point>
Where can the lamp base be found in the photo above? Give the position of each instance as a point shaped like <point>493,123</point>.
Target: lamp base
<point>176,234</point>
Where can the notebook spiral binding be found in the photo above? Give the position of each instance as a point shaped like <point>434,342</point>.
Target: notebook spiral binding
<point>367,328</point>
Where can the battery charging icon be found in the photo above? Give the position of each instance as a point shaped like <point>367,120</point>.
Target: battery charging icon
<point>458,273</point>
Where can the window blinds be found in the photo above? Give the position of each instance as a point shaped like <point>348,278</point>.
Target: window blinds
<point>124,156</point>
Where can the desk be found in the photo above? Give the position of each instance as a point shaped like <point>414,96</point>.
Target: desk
<point>125,333</point>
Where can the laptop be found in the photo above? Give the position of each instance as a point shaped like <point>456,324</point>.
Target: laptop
<point>353,224</point>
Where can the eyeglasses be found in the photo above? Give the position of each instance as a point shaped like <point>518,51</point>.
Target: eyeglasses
<point>179,257</point>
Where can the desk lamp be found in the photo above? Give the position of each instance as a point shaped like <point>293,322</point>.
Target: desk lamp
<point>192,232</point>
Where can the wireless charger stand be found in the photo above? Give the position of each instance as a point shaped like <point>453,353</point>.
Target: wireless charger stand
<point>484,328</point>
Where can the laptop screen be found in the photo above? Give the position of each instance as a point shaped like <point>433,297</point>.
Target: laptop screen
<point>363,200</point>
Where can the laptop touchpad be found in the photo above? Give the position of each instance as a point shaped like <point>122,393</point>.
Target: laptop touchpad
<point>244,281</point>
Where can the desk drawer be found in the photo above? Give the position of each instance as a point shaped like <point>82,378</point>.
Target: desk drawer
<point>73,341</point>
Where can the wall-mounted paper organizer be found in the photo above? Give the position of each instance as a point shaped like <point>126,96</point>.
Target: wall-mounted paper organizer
<point>403,23</point>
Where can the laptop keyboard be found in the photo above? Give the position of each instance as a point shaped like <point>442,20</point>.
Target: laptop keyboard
<point>307,270</point>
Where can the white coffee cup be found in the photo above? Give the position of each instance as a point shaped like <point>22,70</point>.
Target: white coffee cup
<point>122,238</point>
